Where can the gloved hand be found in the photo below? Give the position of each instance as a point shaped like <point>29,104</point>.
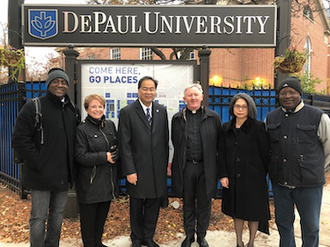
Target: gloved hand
<point>114,153</point>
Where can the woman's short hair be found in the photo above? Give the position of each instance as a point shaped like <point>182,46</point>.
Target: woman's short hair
<point>91,97</point>
<point>252,109</point>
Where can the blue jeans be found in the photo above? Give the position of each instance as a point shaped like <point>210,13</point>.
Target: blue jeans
<point>46,205</point>
<point>308,202</point>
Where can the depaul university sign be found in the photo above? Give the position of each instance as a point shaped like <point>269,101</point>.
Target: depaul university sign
<point>162,26</point>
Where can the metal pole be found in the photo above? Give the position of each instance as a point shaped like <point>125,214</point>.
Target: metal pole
<point>70,68</point>
<point>14,26</point>
<point>204,60</point>
<point>283,33</point>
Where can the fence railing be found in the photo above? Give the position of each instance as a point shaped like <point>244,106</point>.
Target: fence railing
<point>9,170</point>
<point>219,100</point>
<point>14,96</point>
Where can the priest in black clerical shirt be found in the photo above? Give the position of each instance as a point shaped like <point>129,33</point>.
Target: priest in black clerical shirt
<point>196,140</point>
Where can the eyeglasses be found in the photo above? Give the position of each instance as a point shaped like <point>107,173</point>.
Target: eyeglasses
<point>240,107</point>
<point>60,82</point>
<point>290,93</point>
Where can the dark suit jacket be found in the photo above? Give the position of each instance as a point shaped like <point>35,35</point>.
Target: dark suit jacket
<point>144,149</point>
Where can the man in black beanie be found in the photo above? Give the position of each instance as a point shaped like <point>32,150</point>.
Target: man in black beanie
<point>47,149</point>
<point>300,149</point>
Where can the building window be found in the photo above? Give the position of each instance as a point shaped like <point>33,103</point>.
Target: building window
<point>192,55</point>
<point>308,13</point>
<point>115,53</point>
<point>308,48</point>
<point>146,54</point>
<point>90,57</point>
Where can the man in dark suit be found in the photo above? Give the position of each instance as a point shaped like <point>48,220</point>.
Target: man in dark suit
<point>143,144</point>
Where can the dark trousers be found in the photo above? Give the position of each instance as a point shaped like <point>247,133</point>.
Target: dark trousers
<point>308,201</point>
<point>143,216</point>
<point>194,187</point>
<point>92,219</point>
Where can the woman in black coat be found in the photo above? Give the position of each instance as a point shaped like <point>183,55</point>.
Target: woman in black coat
<point>97,183</point>
<point>243,169</point>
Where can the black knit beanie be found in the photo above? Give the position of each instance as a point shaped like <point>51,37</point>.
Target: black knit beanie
<point>292,82</point>
<point>57,74</point>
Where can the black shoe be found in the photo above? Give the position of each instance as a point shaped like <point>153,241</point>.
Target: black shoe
<point>202,242</point>
<point>136,244</point>
<point>150,243</point>
<point>100,245</point>
<point>187,242</point>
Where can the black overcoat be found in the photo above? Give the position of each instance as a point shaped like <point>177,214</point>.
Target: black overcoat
<point>210,129</point>
<point>51,165</point>
<point>144,149</point>
<point>245,164</point>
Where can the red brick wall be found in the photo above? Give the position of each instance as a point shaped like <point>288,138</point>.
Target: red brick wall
<point>303,27</point>
<point>238,66</point>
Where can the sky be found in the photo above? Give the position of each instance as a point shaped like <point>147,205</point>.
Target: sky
<point>38,52</point>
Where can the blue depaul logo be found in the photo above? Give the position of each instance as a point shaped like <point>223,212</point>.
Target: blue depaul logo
<point>43,23</point>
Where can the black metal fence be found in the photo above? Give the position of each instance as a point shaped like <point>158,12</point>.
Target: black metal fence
<point>220,97</point>
<point>8,111</point>
<point>14,96</point>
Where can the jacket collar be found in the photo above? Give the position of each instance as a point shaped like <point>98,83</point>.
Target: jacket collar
<point>245,127</point>
<point>56,99</point>
<point>100,122</point>
<point>142,115</point>
<point>296,109</point>
<point>205,113</point>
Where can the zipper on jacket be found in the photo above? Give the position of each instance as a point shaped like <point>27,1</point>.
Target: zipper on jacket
<point>93,174</point>
<point>111,171</point>
<point>113,186</point>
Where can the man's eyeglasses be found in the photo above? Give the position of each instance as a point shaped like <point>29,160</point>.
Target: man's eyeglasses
<point>240,107</point>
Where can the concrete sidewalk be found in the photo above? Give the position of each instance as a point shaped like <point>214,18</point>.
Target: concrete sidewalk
<point>227,239</point>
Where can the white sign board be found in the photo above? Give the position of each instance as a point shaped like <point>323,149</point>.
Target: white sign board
<point>118,82</point>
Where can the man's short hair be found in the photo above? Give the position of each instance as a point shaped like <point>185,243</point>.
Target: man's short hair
<point>147,78</point>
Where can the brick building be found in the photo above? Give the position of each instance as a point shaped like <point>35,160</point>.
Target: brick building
<point>242,67</point>
<point>310,30</point>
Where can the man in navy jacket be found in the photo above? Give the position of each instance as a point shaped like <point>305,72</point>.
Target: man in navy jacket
<point>299,137</point>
